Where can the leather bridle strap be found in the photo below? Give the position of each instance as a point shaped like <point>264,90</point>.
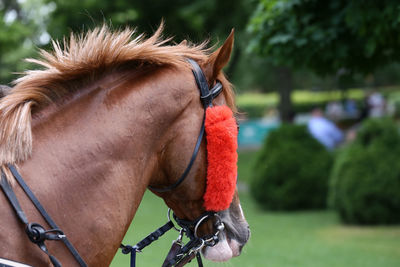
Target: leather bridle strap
<point>12,198</point>
<point>127,249</point>
<point>206,95</point>
<point>189,166</point>
<point>36,232</point>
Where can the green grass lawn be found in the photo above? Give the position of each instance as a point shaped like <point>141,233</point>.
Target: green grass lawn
<point>278,239</point>
<point>246,164</point>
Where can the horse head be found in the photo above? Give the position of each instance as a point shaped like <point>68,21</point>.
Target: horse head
<point>209,204</point>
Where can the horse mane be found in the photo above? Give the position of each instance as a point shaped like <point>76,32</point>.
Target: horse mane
<point>74,61</point>
<point>4,89</point>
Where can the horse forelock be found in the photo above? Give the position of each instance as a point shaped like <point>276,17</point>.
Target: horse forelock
<point>79,60</point>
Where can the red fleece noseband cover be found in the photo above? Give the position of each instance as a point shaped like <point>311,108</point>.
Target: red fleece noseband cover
<point>221,134</point>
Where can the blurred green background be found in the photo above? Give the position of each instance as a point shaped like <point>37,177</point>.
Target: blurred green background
<point>290,57</point>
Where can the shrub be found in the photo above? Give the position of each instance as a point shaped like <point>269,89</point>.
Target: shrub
<point>291,171</point>
<point>365,182</point>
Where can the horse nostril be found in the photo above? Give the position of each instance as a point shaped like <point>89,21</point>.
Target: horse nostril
<point>248,233</point>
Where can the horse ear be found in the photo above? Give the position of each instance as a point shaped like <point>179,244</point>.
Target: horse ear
<point>220,57</point>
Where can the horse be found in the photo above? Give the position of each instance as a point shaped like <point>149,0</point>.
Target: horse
<point>108,115</point>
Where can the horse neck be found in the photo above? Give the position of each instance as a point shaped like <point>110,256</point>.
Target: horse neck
<point>93,157</point>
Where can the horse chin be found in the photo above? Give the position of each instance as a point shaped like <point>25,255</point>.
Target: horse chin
<point>224,250</point>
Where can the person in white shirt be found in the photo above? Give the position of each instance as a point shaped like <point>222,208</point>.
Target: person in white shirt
<point>324,130</point>
<point>376,103</point>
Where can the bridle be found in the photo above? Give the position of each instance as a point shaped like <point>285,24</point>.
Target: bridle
<point>179,253</point>
<point>206,96</point>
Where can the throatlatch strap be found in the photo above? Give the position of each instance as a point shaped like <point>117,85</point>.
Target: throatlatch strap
<point>189,166</point>
<point>126,249</point>
<point>45,215</point>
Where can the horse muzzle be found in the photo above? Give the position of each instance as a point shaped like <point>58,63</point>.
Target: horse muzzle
<point>231,242</point>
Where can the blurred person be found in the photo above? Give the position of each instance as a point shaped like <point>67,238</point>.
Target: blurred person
<point>350,107</point>
<point>324,130</point>
<point>334,110</point>
<point>377,105</point>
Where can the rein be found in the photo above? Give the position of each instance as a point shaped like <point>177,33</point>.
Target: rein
<point>179,253</point>
<point>36,233</point>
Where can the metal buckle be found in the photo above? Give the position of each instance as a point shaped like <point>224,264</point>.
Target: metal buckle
<point>180,237</point>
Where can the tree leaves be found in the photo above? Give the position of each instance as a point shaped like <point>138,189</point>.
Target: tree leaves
<point>326,36</point>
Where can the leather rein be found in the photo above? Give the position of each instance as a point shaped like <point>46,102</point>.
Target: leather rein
<point>179,254</point>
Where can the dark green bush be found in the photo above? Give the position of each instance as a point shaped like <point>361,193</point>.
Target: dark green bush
<point>365,182</point>
<point>291,171</point>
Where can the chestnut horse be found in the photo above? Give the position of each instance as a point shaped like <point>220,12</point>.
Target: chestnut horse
<point>105,118</point>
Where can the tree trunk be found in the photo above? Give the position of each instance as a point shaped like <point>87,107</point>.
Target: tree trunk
<point>285,82</point>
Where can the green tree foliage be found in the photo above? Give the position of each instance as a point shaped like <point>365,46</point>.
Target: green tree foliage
<point>340,37</point>
<point>22,28</point>
<point>183,19</point>
<point>365,182</point>
<point>325,36</point>
<point>291,171</point>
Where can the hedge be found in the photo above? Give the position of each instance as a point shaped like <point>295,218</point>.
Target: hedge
<point>365,182</point>
<point>291,171</point>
